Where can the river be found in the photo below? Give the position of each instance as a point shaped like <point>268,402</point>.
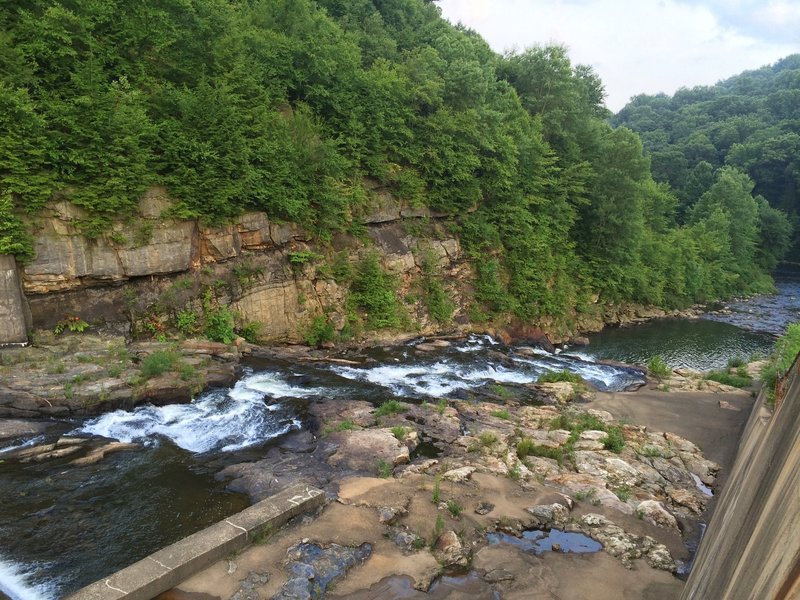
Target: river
<point>64,527</point>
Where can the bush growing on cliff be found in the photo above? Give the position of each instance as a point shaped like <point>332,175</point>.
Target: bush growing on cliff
<point>440,306</point>
<point>375,292</point>
<point>320,330</point>
<point>14,239</point>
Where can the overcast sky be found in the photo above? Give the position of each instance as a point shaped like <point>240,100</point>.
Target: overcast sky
<point>642,46</point>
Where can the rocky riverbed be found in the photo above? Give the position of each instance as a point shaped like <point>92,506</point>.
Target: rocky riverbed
<point>423,485</point>
<point>427,447</point>
<point>78,375</point>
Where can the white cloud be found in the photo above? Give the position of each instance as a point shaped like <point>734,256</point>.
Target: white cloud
<point>636,46</point>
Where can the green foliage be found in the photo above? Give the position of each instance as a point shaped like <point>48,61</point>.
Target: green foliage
<point>14,239</point>
<point>650,452</point>
<point>399,432</point>
<point>186,322</point>
<point>613,440</point>
<point>303,109</point>
<point>658,368</point>
<point>251,331</point>
<point>374,291</point>
<point>219,324</point>
<point>501,414</point>
<point>454,508</point>
<point>735,362</point>
<point>301,258</point>
<point>346,425</point>
<point>437,490</point>
<point>732,379</point>
<point>158,363</point>
<point>440,306</point>
<point>488,439</point>
<point>786,350</point>
<point>586,494</point>
<point>555,376</point>
<point>389,408</point>
<point>749,123</point>
<point>527,447</point>
<point>74,324</point>
<point>438,528</point>
<point>247,273</point>
<point>623,492</point>
<point>384,469</point>
<point>320,330</point>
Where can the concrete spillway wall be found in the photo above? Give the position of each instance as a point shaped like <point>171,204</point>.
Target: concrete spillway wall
<point>752,546</point>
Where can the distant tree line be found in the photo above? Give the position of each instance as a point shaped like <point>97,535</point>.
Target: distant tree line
<point>288,106</point>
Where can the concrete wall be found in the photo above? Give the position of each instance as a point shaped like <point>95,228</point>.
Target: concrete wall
<point>13,307</point>
<point>752,547</point>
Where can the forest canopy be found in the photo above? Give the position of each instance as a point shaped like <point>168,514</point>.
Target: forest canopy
<point>290,106</point>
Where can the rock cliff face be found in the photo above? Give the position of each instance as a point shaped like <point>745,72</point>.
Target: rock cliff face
<point>14,314</point>
<point>107,279</point>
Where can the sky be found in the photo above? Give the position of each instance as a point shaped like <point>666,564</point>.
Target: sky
<point>642,46</point>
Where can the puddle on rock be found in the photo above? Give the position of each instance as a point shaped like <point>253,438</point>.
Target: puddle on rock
<point>425,450</point>
<point>538,541</point>
<point>692,543</point>
<point>702,486</point>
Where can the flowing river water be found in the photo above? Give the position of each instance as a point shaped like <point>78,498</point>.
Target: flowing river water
<point>63,527</point>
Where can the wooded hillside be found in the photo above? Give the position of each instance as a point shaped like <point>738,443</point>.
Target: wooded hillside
<point>288,106</point>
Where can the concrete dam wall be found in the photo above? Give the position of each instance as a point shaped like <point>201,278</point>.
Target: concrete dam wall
<point>752,547</point>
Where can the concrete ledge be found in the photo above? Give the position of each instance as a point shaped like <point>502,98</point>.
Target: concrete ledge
<point>170,566</point>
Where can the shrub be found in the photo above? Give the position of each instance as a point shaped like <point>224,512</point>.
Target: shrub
<point>74,324</point>
<point>159,362</point>
<point>555,376</point>
<point>786,349</point>
<point>736,361</point>
<point>219,325</point>
<point>658,368</point>
<point>390,407</point>
<point>623,492</point>
<point>440,306</point>
<point>527,447</point>
<point>186,322</point>
<point>437,491</point>
<point>454,507</point>
<point>399,432</point>
<point>734,380</point>
<point>320,330</point>
<point>488,439</point>
<point>614,440</point>
<point>251,331</point>
<point>303,257</point>
<point>374,292</point>
<point>346,425</point>
<point>384,469</point>
<point>501,414</point>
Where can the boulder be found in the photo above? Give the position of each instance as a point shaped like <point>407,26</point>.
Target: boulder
<point>656,513</point>
<point>459,475</point>
<point>550,515</point>
<point>363,450</point>
<point>449,551</point>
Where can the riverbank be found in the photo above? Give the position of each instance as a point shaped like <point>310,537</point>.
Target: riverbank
<point>299,414</point>
<point>428,516</point>
<point>84,374</point>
